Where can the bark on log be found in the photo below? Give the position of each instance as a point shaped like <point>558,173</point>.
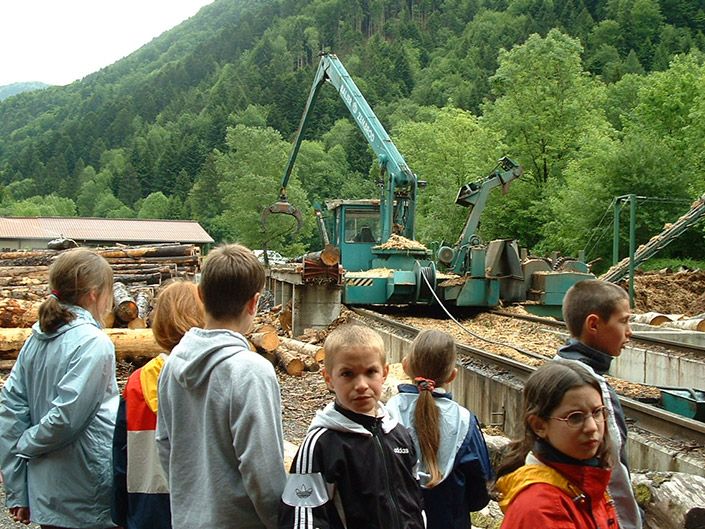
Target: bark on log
<point>267,341</point>
<point>137,323</point>
<point>144,303</point>
<point>329,256</point>
<point>176,250</point>
<point>315,351</point>
<point>18,313</point>
<point>291,363</point>
<point>129,344</point>
<point>9,271</point>
<point>265,327</point>
<point>691,324</point>
<point>149,279</point>
<point>653,318</point>
<point>310,363</point>
<point>672,500</point>
<point>13,281</point>
<point>285,319</point>
<point>125,307</point>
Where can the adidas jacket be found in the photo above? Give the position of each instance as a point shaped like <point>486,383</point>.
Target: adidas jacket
<point>353,472</point>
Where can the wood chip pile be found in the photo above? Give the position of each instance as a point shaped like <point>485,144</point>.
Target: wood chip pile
<point>397,242</point>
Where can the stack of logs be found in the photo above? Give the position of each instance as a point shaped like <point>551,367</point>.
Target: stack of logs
<point>138,269</point>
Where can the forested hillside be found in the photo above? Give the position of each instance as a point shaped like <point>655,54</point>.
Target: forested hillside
<point>17,88</point>
<point>595,98</point>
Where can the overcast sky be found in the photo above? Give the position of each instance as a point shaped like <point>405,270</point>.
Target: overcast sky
<point>59,41</point>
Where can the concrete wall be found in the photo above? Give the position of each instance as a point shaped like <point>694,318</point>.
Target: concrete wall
<point>496,398</point>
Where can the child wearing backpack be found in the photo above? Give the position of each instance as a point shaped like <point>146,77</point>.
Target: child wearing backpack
<point>454,462</point>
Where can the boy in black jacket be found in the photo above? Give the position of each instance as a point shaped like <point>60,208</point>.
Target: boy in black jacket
<point>597,315</point>
<point>355,468</point>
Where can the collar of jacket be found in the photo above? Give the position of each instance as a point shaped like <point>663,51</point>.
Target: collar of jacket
<point>437,394</point>
<point>576,350</point>
<point>577,481</point>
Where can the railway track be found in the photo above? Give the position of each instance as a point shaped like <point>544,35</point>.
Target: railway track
<point>650,418</point>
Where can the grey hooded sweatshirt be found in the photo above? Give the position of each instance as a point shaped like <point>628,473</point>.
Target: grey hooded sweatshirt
<point>219,433</point>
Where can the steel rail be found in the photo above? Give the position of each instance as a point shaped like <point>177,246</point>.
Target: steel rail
<point>650,418</point>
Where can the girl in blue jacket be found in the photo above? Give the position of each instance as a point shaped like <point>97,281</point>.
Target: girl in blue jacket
<point>58,406</point>
<point>455,465</point>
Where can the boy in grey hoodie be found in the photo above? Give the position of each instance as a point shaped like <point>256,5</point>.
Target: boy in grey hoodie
<point>219,430</point>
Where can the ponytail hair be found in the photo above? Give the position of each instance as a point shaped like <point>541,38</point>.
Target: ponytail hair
<point>431,363</point>
<point>73,274</point>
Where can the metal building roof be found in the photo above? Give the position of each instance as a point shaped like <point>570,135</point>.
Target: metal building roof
<point>107,230</point>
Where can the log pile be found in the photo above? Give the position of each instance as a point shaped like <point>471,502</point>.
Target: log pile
<point>137,270</point>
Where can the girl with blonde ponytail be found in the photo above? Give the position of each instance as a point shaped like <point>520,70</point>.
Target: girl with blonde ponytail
<point>58,406</point>
<point>454,462</point>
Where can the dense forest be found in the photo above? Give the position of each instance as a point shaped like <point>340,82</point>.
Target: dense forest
<point>595,98</point>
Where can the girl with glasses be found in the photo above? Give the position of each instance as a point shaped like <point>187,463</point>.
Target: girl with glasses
<point>556,476</point>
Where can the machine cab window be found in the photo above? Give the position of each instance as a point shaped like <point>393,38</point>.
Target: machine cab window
<point>362,226</point>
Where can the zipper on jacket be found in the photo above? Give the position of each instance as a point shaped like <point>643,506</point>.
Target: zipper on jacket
<point>392,496</point>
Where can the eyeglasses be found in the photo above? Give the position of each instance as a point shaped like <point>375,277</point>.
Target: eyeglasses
<point>577,418</point>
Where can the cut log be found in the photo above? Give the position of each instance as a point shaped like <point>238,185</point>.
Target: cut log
<point>109,320</point>
<point>691,324</point>
<point>672,500</point>
<point>174,250</point>
<point>144,303</point>
<point>265,327</point>
<point>18,313</point>
<point>310,364</point>
<point>266,341</point>
<point>125,307</point>
<point>653,318</point>
<point>285,319</point>
<point>291,363</point>
<point>137,323</point>
<point>9,271</point>
<point>129,344</point>
<point>315,351</point>
<point>148,279</point>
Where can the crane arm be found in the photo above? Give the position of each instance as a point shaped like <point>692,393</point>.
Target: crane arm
<point>399,197</point>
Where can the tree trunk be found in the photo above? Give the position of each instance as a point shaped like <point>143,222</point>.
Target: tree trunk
<point>315,351</point>
<point>125,307</point>
<point>310,363</point>
<point>697,324</point>
<point>129,344</point>
<point>672,500</point>
<point>267,341</point>
<point>654,318</point>
<point>176,250</point>
<point>291,363</point>
<point>18,313</point>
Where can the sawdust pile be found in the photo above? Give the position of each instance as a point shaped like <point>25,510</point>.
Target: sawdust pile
<point>397,242</point>
<point>669,292</point>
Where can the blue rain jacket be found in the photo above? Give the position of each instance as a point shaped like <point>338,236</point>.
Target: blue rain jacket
<point>57,415</point>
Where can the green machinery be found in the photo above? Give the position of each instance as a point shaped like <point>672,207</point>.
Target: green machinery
<point>483,275</point>
<point>377,270</point>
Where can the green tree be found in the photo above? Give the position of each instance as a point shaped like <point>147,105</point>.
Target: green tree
<point>40,206</point>
<point>546,106</point>
<point>155,206</point>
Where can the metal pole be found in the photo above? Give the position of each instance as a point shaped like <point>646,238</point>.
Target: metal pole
<point>632,246</point>
<point>615,231</point>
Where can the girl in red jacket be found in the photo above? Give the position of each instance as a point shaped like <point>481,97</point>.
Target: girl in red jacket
<point>557,475</point>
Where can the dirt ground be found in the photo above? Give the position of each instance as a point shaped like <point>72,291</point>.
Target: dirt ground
<point>670,293</point>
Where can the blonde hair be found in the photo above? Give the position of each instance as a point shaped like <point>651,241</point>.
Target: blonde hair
<point>231,276</point>
<point>73,274</point>
<point>432,357</point>
<point>177,309</point>
<point>349,336</point>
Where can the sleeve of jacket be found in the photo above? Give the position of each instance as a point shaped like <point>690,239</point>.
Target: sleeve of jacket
<point>163,418</point>
<point>79,395</point>
<point>258,441</point>
<point>309,498</point>
<point>14,420</point>
<point>476,467</point>
<point>119,500</point>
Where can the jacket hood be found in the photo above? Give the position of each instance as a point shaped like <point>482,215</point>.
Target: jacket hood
<point>332,419</point>
<point>83,317</point>
<point>574,480</point>
<point>201,350</point>
<point>149,381</point>
<point>454,423</point>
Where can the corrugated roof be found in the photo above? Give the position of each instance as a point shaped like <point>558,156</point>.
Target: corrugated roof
<point>94,229</point>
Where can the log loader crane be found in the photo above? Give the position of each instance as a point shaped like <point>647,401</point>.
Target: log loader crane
<point>377,270</point>
<point>486,274</point>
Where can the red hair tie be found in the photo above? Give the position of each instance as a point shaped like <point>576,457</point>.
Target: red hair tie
<point>55,293</point>
<point>425,384</point>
